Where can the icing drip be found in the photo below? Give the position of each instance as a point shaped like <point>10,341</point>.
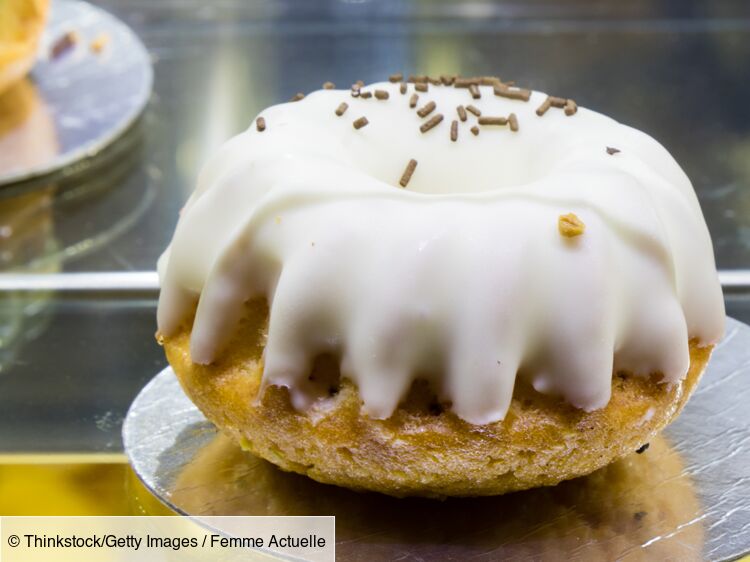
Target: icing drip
<point>463,277</point>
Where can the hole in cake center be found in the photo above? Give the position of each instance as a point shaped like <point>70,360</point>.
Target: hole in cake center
<point>495,159</point>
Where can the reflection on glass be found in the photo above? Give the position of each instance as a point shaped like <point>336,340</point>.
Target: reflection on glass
<point>643,505</point>
<point>27,235</point>
<point>48,223</point>
<point>236,82</point>
<point>27,231</point>
<point>27,130</point>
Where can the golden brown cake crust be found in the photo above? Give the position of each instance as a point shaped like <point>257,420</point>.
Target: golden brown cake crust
<point>421,450</point>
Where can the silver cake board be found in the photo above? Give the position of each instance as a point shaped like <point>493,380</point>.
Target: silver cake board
<point>687,497</point>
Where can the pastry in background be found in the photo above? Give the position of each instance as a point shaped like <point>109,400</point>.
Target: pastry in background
<point>21,26</point>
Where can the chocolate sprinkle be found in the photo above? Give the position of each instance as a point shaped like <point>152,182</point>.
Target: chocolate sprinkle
<point>433,122</point>
<point>474,91</point>
<point>513,122</point>
<point>402,88</point>
<point>475,130</point>
<point>381,94</point>
<point>419,78</point>
<point>427,109</point>
<point>361,122</point>
<point>515,94</point>
<point>341,109</point>
<point>611,151</point>
<point>473,110</point>
<point>396,77</point>
<point>465,82</point>
<point>298,96</point>
<point>420,86</point>
<point>570,107</point>
<point>260,124</point>
<point>365,95</point>
<point>413,100</point>
<point>493,120</point>
<point>406,176</point>
<point>542,109</point>
<point>489,80</point>
<point>447,80</point>
<point>461,112</point>
<point>454,131</point>
<point>328,85</point>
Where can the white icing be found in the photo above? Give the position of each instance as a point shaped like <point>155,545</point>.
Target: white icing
<point>461,278</point>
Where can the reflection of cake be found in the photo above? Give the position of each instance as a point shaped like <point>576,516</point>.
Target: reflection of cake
<point>447,287</point>
<point>28,245</point>
<point>27,237</point>
<point>645,499</point>
<point>27,231</point>
<point>27,130</point>
<point>21,25</point>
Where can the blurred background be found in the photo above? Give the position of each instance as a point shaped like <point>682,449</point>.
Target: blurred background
<point>76,348</point>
